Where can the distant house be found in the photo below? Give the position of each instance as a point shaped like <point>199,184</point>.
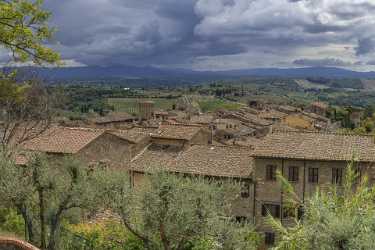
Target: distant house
<point>319,108</point>
<point>272,115</point>
<point>288,109</point>
<point>114,120</point>
<point>355,116</point>
<point>180,135</point>
<point>160,115</point>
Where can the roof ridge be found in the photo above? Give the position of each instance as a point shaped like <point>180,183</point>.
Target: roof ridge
<point>220,146</point>
<point>181,124</point>
<point>83,128</point>
<point>320,132</point>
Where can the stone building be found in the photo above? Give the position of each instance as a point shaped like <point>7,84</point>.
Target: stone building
<point>201,160</point>
<point>180,135</point>
<point>145,109</point>
<point>319,108</point>
<point>307,161</point>
<point>114,120</point>
<point>93,146</point>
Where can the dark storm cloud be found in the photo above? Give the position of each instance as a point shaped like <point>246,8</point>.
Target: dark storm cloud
<point>180,32</point>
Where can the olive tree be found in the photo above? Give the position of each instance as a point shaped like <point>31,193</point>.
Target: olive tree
<point>175,212</point>
<point>44,192</point>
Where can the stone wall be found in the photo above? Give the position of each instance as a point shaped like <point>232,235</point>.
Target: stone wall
<point>107,148</point>
<point>270,192</point>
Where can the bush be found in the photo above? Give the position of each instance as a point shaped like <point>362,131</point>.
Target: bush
<point>11,221</point>
<point>104,235</point>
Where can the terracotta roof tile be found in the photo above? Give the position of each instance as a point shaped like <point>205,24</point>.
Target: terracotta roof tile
<point>114,117</point>
<point>154,157</point>
<point>129,135</point>
<point>63,140</point>
<point>316,146</point>
<point>179,132</point>
<point>218,161</point>
<point>272,114</point>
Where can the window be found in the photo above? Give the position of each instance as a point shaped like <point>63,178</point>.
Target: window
<point>245,190</point>
<point>242,219</point>
<point>313,175</point>
<point>271,173</point>
<point>272,209</point>
<point>293,174</point>
<point>337,176</point>
<point>290,212</point>
<point>269,238</point>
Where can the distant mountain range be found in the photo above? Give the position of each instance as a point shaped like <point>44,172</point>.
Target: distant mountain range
<point>97,73</point>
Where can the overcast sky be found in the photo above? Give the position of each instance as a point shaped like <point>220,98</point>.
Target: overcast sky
<point>216,34</point>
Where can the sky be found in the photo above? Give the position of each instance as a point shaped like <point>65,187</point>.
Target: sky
<point>215,34</point>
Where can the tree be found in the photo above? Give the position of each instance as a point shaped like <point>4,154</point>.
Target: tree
<point>174,212</point>
<point>342,218</point>
<point>44,192</point>
<point>24,30</point>
<point>26,110</point>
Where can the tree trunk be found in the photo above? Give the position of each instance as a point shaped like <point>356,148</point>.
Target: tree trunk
<point>43,244</point>
<point>29,232</point>
<point>163,237</point>
<point>55,224</point>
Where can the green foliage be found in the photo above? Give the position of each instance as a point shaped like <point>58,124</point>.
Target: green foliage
<point>24,30</point>
<point>216,104</point>
<point>342,218</point>
<point>11,221</point>
<point>46,192</point>
<point>108,234</point>
<point>170,212</point>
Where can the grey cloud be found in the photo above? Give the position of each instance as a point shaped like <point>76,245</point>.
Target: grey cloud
<point>322,62</point>
<point>365,46</point>
<point>171,32</point>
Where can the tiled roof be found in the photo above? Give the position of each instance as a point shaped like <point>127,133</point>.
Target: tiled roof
<point>129,135</point>
<point>202,119</point>
<point>320,105</point>
<point>272,114</point>
<point>153,158</point>
<point>63,140</point>
<point>315,116</point>
<point>316,146</point>
<point>218,161</point>
<point>178,132</point>
<point>144,130</point>
<point>114,117</point>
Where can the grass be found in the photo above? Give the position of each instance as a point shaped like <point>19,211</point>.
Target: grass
<point>130,104</point>
<point>215,104</point>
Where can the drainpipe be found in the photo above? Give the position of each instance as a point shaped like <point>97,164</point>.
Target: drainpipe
<point>282,192</point>
<point>304,181</point>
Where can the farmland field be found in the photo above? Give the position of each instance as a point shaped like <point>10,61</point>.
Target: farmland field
<point>130,104</point>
